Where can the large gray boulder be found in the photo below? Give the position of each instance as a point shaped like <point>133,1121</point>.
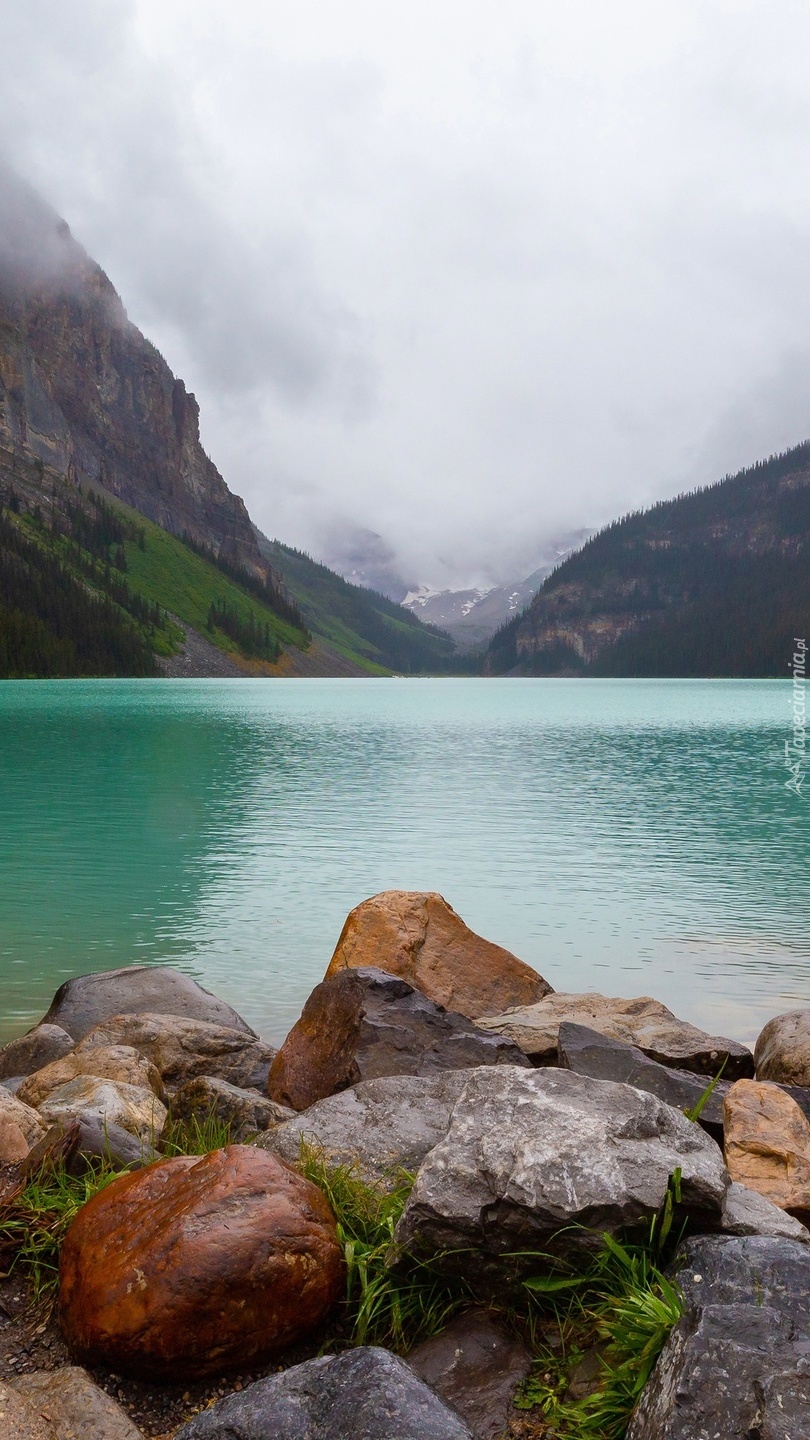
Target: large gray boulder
<point>737,1365</point>
<point>379,1126</point>
<point>362,1394</point>
<point>85,1001</point>
<point>76,1407</point>
<point>747,1213</point>
<point>362,1024</point>
<point>587,1052</point>
<point>547,1160</point>
<point>476,1366</point>
<point>642,1022</point>
<point>183,1049</point>
<point>30,1052</point>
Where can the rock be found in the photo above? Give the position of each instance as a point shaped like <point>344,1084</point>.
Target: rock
<point>782,1052</point>
<point>12,1083</point>
<point>196,1265</point>
<point>101,1138</point>
<point>86,1001</point>
<point>31,1052</point>
<point>587,1052</point>
<point>737,1365</point>
<point>243,1110</point>
<point>104,1062</point>
<point>476,1366</point>
<point>21,1421</point>
<point>183,1049</point>
<point>78,1409</point>
<point>747,1213</point>
<point>14,1112</point>
<point>421,938</point>
<point>379,1126</point>
<point>362,1394</point>
<point>768,1145</point>
<point>106,1103</point>
<point>642,1022</point>
<point>542,1159</point>
<point>13,1144</point>
<point>362,1024</point>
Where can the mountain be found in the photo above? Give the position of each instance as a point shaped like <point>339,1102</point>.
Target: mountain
<point>715,582</point>
<point>122,549</point>
<point>363,558</point>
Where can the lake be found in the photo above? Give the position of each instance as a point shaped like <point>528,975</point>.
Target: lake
<point>632,837</point>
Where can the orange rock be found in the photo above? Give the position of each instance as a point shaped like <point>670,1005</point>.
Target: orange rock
<point>767,1144</point>
<point>193,1265</point>
<point>419,937</point>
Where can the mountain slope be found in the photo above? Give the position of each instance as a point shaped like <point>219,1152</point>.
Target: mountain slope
<point>715,582</point>
<point>361,624</point>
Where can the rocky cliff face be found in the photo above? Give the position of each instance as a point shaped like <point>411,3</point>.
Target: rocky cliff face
<point>86,394</point>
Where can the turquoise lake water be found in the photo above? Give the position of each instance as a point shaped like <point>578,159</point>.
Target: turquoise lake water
<point>633,837</point>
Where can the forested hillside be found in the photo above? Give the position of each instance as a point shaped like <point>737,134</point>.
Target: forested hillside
<point>716,582</point>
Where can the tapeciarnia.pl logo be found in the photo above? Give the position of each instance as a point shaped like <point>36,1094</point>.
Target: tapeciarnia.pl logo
<point>796,749</point>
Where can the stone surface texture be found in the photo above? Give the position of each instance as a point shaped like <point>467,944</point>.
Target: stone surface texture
<point>197,1265</point>
<point>419,937</point>
<point>106,1102</point>
<point>737,1365</point>
<point>642,1022</point>
<point>782,1052</point>
<point>78,1409</point>
<point>84,1002</point>
<point>362,1394</point>
<point>104,1062</point>
<point>183,1049</point>
<point>476,1366</point>
<point>21,1421</point>
<point>586,1052</point>
<point>533,1155</point>
<point>14,1112</point>
<point>768,1145</point>
<point>363,1024</point>
<point>379,1125</point>
<point>747,1213</point>
<point>13,1144</point>
<point>246,1112</point>
<point>30,1052</point>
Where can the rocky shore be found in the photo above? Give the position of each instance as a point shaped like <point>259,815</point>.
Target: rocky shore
<point>453,1204</point>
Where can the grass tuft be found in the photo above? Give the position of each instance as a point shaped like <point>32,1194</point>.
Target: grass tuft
<point>37,1220</point>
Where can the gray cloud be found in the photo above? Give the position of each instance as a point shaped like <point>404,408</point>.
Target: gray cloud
<point>467,276</point>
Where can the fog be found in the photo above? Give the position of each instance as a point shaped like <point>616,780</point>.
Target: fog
<point>468,276</point>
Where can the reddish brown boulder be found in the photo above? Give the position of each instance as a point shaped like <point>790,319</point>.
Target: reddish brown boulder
<point>421,938</point>
<point>365,1024</point>
<point>196,1265</point>
<point>767,1144</point>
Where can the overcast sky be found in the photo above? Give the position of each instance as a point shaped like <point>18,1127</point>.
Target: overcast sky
<point>469,274</point>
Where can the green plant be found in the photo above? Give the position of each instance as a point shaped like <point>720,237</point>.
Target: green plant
<point>35,1223</point>
<point>198,1135</point>
<point>391,1298</point>
<point>697,1109</point>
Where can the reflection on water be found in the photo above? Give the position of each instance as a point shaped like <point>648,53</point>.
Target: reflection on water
<point>628,836</point>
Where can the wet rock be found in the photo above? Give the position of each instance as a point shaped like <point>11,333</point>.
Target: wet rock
<point>31,1052</point>
<point>419,937</point>
<point>379,1126</point>
<point>362,1394</point>
<point>78,1409</point>
<point>362,1024</point>
<point>642,1022</point>
<point>197,1265</point>
<point>21,1421</point>
<point>476,1366</point>
<point>543,1159</point>
<point>13,1144</point>
<point>768,1145</point>
<point>183,1049</point>
<point>244,1111</point>
<point>105,1062</point>
<point>106,1103</point>
<point>747,1213</point>
<point>86,1001</point>
<point>737,1365</point>
<point>14,1113</point>
<point>587,1052</point>
<point>782,1052</point>
<point>101,1138</point>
